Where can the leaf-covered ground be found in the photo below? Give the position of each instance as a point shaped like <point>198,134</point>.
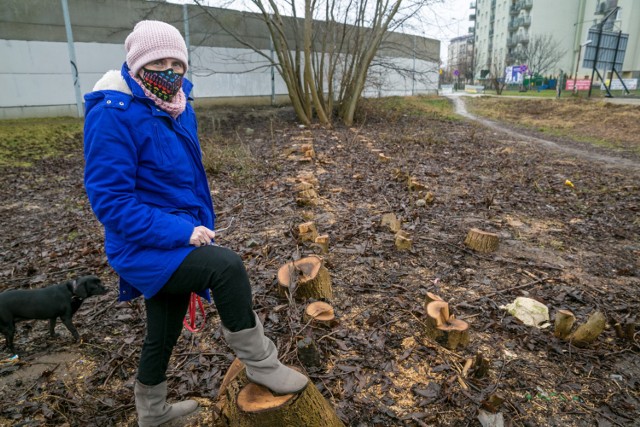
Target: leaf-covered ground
<point>571,246</point>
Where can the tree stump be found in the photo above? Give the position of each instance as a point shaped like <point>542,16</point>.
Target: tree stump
<point>589,331</point>
<point>563,323</point>
<point>305,278</point>
<point>308,231</point>
<point>307,197</point>
<point>390,220</point>
<point>304,185</point>
<point>308,353</point>
<point>415,185</point>
<point>307,150</point>
<point>322,242</point>
<point>320,313</point>
<point>429,298</point>
<point>242,403</point>
<point>626,330</point>
<point>481,241</point>
<point>403,241</point>
<point>308,177</point>
<point>444,329</point>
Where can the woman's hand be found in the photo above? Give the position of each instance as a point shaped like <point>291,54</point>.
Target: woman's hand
<point>201,236</point>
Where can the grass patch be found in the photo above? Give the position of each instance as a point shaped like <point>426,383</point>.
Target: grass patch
<point>232,158</point>
<point>530,93</point>
<point>25,141</point>
<point>421,106</point>
<point>598,123</point>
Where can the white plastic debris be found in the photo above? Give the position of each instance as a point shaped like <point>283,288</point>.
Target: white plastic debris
<point>529,311</point>
<point>487,419</point>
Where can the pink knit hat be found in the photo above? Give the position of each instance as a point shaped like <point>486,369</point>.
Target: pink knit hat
<point>152,40</point>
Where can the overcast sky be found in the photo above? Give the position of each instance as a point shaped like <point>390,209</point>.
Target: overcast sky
<point>448,20</point>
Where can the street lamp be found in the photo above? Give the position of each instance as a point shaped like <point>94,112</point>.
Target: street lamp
<point>575,78</point>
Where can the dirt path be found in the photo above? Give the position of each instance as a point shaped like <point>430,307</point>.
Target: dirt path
<point>609,161</point>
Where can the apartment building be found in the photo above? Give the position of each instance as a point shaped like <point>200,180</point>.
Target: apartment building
<point>504,28</point>
<point>460,58</point>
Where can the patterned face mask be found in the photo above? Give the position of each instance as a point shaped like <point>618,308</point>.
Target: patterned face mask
<point>163,84</point>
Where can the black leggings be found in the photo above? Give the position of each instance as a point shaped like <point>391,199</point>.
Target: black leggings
<point>214,267</point>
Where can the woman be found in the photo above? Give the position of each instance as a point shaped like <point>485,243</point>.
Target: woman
<point>147,186</point>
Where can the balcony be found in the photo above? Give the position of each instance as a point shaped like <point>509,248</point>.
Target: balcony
<point>472,17</point>
<point>514,10</point>
<point>526,4</point>
<point>472,5</point>
<point>472,30</point>
<point>512,41</point>
<point>522,21</point>
<point>523,38</point>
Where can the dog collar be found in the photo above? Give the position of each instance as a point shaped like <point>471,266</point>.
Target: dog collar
<point>74,287</point>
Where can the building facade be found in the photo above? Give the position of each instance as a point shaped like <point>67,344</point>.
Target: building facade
<point>504,29</point>
<point>460,59</point>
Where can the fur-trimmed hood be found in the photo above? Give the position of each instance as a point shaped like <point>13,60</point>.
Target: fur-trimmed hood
<point>112,80</point>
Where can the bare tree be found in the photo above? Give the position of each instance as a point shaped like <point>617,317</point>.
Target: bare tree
<point>497,76</point>
<point>325,48</point>
<point>541,54</point>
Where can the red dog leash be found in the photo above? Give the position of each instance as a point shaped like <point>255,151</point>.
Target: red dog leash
<point>194,302</point>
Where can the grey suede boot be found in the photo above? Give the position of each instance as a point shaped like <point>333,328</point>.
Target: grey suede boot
<point>152,406</point>
<point>260,356</point>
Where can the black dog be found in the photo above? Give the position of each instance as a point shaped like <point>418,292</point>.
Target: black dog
<point>61,300</point>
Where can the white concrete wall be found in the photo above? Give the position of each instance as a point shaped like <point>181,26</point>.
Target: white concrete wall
<point>37,81</point>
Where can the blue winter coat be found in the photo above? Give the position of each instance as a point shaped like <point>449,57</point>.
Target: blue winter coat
<point>145,181</point>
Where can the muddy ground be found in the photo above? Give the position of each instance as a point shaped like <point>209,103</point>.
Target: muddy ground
<point>568,226</point>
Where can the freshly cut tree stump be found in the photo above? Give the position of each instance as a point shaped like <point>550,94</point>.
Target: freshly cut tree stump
<point>308,231</point>
<point>307,197</point>
<point>320,313</point>
<point>429,298</point>
<point>304,185</point>
<point>305,278</point>
<point>242,403</point>
<point>444,329</point>
<point>415,185</point>
<point>481,241</point>
<point>323,243</point>
<point>589,331</point>
<point>308,177</point>
<point>390,220</point>
<point>563,323</point>
<point>307,150</point>
<point>403,241</point>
